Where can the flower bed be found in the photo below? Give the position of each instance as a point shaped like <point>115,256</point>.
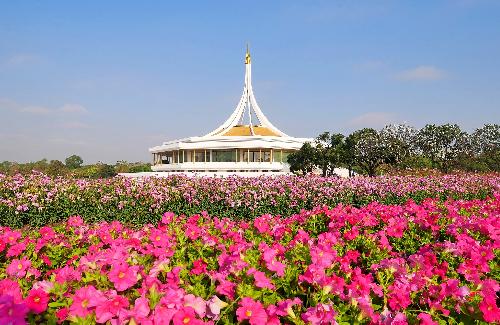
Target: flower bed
<point>38,199</point>
<point>429,263</point>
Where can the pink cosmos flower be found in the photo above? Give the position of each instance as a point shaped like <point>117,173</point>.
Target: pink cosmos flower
<point>251,310</point>
<point>123,276</point>
<point>11,312</point>
<point>85,299</point>
<point>37,300</point>
<point>17,268</point>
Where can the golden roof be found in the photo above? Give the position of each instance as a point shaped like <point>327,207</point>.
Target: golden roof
<point>244,130</point>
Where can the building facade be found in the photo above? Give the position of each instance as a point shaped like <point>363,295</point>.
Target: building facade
<point>246,143</point>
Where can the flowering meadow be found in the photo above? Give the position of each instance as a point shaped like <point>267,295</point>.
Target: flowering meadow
<point>38,199</point>
<point>282,250</point>
<point>429,263</point>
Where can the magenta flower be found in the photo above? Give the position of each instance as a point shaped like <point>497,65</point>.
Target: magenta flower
<point>186,315</point>
<point>199,267</point>
<point>116,306</point>
<point>490,310</point>
<point>17,268</point>
<point>123,276</point>
<point>261,281</point>
<point>11,312</point>
<point>198,304</point>
<point>320,314</point>
<point>85,300</point>
<point>37,300</point>
<point>12,289</point>
<point>251,310</point>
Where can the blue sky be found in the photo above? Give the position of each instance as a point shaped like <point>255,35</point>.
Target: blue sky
<point>109,79</point>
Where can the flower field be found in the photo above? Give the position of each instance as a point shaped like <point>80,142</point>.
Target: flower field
<point>392,250</point>
<point>38,200</point>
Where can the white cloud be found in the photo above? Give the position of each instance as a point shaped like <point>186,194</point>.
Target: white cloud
<point>372,119</point>
<point>38,110</point>
<point>73,108</point>
<point>75,125</point>
<point>21,59</point>
<point>423,72</point>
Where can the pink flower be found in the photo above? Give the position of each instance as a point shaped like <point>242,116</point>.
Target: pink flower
<point>197,303</point>
<point>11,312</point>
<point>37,300</point>
<point>214,307</point>
<point>226,288</point>
<point>261,281</point>
<point>84,300</point>
<point>18,268</point>
<point>320,314</point>
<point>186,316</point>
<point>123,276</point>
<point>199,267</point>
<point>116,306</point>
<point>426,319</point>
<point>491,313</point>
<point>11,288</point>
<point>251,310</point>
<point>141,310</point>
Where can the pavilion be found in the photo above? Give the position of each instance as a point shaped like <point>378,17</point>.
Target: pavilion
<point>235,147</point>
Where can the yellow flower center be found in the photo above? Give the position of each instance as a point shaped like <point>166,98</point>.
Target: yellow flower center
<point>116,303</point>
<point>19,266</point>
<point>121,275</point>
<point>158,238</point>
<point>248,313</point>
<point>85,303</point>
<point>36,299</point>
<point>186,320</point>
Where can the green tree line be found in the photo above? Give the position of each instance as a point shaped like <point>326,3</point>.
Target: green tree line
<point>445,148</point>
<point>73,166</point>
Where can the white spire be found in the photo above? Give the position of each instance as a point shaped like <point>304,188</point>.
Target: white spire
<point>247,101</point>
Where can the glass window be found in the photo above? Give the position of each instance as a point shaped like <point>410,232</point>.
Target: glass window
<point>277,155</point>
<point>199,156</point>
<point>224,155</point>
<point>266,156</point>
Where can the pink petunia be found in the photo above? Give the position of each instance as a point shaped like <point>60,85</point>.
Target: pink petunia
<point>85,300</point>
<point>12,312</point>
<point>199,267</point>
<point>186,315</point>
<point>251,310</point>
<point>261,281</point>
<point>115,307</point>
<point>319,314</point>
<point>490,310</point>
<point>123,276</point>
<point>37,300</point>
<point>18,268</point>
<point>198,304</point>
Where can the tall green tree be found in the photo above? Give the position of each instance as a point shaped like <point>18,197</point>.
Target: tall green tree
<point>329,149</point>
<point>73,162</point>
<point>370,151</point>
<point>444,145</point>
<point>303,160</point>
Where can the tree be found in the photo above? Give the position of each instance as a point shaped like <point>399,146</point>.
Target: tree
<point>486,146</point>
<point>370,151</point>
<point>328,153</point>
<point>399,142</point>
<point>444,145</point>
<point>56,168</point>
<point>302,160</point>
<point>73,162</point>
